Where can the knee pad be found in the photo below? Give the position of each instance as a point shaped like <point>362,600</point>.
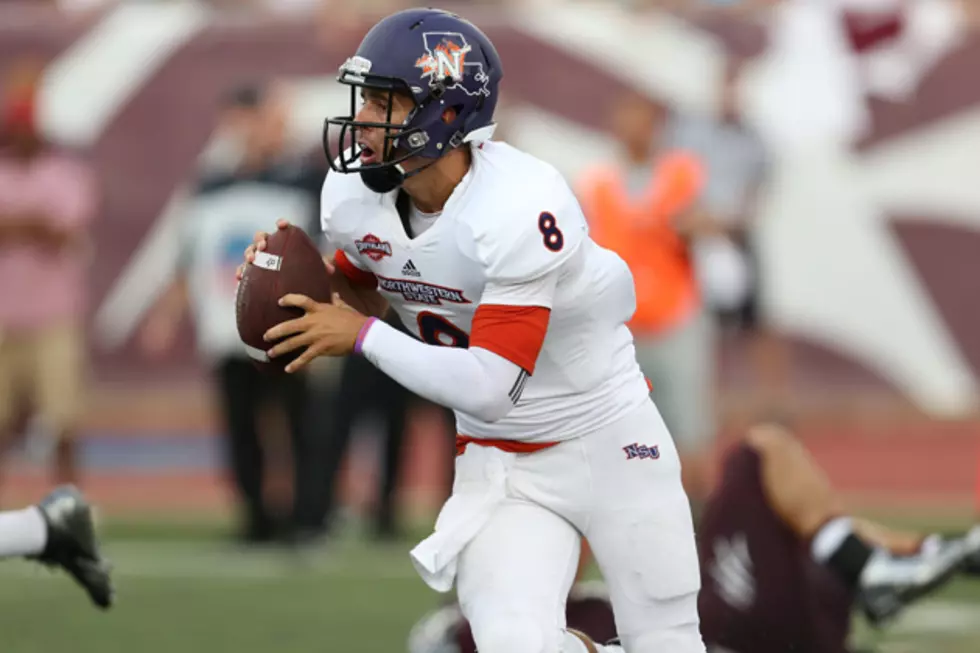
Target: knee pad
<point>514,634</point>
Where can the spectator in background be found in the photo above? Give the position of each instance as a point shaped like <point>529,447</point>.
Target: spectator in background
<point>640,207</point>
<point>737,166</point>
<point>48,199</point>
<point>229,206</point>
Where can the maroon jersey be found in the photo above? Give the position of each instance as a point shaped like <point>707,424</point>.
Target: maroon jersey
<point>761,591</point>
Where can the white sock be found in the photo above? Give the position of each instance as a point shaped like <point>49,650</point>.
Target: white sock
<point>22,532</point>
<point>829,538</point>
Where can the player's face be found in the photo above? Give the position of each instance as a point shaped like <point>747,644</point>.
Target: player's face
<point>374,108</point>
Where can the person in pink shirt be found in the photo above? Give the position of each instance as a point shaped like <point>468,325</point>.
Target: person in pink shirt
<point>47,200</point>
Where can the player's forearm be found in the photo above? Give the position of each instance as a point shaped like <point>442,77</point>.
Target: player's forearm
<point>472,381</point>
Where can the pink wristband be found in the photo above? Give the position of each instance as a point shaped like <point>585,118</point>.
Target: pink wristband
<point>362,334</point>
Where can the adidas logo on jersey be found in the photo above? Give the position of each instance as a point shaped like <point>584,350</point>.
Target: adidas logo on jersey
<point>410,270</point>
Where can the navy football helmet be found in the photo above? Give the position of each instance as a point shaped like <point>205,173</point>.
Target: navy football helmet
<point>440,61</point>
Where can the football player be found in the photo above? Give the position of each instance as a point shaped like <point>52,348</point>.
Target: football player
<point>783,567</point>
<point>59,532</point>
<point>519,321</point>
<point>783,563</point>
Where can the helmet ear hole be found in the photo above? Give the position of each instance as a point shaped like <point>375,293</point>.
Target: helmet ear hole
<point>450,115</point>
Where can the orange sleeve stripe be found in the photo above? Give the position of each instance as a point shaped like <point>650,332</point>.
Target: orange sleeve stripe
<point>512,332</point>
<point>353,273</point>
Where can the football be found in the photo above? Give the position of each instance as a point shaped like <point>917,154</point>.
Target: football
<point>290,263</point>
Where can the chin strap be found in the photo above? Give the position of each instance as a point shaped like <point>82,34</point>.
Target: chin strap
<point>385,180</point>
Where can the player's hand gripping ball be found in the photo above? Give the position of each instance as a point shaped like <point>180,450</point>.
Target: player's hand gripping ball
<point>286,262</point>
<point>289,317</point>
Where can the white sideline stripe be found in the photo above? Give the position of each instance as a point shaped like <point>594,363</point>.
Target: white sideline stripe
<point>85,87</point>
<point>200,561</point>
<point>179,561</point>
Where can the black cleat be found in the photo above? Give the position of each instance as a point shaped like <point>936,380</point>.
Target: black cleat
<point>72,544</point>
<point>889,583</point>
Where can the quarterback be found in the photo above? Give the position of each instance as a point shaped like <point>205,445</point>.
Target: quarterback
<point>520,325</point>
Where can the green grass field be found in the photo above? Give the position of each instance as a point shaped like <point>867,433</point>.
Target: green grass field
<point>181,589</point>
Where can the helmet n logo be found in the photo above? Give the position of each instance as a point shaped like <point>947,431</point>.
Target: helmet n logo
<point>445,59</point>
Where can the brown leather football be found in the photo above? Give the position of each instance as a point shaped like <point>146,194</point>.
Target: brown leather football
<point>290,263</point>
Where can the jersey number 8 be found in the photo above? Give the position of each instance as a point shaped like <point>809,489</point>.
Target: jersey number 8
<point>437,330</point>
<point>553,237</point>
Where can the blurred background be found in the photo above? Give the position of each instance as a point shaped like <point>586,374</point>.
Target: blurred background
<point>822,160</point>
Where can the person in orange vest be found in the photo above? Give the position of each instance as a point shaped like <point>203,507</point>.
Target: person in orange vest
<point>643,208</point>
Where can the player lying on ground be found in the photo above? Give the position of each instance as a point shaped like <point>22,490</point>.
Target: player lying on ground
<point>59,532</point>
<point>484,248</point>
<point>782,565</point>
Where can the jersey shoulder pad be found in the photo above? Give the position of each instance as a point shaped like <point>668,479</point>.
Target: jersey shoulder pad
<point>529,223</point>
<point>339,189</point>
<point>345,204</point>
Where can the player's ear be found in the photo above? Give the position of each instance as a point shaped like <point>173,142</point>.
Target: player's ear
<point>449,115</point>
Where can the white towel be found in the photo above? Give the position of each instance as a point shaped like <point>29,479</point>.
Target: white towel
<point>480,486</point>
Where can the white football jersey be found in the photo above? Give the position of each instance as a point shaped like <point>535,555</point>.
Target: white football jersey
<point>511,220</point>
